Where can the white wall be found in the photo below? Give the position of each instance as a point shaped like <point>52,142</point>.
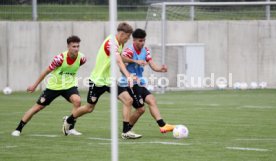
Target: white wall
<point>244,48</point>
<point>23,51</point>
<point>3,54</point>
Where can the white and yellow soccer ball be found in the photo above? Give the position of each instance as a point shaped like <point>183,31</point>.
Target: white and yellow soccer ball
<point>180,131</point>
<point>7,90</point>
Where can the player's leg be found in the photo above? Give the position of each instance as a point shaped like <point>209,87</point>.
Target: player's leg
<point>125,98</point>
<point>26,118</point>
<point>154,111</point>
<point>93,95</point>
<point>135,116</point>
<point>127,101</point>
<point>76,102</point>
<point>72,95</point>
<point>138,104</point>
<point>45,99</point>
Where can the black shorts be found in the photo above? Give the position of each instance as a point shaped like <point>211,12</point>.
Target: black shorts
<point>49,95</point>
<point>138,95</point>
<point>95,92</point>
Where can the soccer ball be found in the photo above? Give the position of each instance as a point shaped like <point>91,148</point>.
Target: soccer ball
<point>221,85</point>
<point>237,85</point>
<point>7,90</point>
<point>253,85</point>
<point>263,85</point>
<point>180,131</point>
<point>243,86</point>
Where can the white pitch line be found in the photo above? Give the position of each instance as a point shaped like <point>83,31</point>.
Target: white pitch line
<point>165,103</point>
<point>210,105</point>
<point>247,149</point>
<point>256,107</point>
<point>11,146</point>
<point>213,105</point>
<point>42,135</point>
<point>105,139</point>
<point>152,142</point>
<point>257,139</point>
<point>155,142</point>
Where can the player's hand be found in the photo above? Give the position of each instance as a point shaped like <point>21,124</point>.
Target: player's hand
<point>31,88</point>
<point>131,80</point>
<point>141,62</point>
<point>136,79</point>
<point>164,68</point>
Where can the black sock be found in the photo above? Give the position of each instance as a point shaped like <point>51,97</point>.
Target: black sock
<point>21,125</point>
<point>71,119</point>
<point>72,126</point>
<point>130,127</point>
<point>125,127</point>
<point>161,123</point>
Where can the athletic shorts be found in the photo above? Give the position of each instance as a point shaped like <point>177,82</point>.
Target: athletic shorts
<point>94,92</point>
<point>49,95</point>
<point>138,95</point>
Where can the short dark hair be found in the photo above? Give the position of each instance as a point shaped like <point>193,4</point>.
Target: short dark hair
<point>73,38</point>
<point>139,33</point>
<point>125,27</point>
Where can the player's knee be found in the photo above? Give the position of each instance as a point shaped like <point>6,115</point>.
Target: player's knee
<point>128,102</point>
<point>76,101</point>
<point>141,110</point>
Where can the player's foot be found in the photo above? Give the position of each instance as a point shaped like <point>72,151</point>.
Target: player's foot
<point>131,135</point>
<point>167,128</point>
<point>66,126</point>
<point>16,133</point>
<point>74,132</point>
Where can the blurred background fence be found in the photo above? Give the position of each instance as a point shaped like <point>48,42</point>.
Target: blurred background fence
<point>78,10</point>
<point>97,10</point>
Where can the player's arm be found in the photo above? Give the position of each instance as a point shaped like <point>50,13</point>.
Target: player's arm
<point>123,69</point>
<point>127,57</point>
<point>38,81</point>
<point>122,66</point>
<point>129,60</point>
<point>153,65</point>
<point>156,68</point>
<point>56,62</point>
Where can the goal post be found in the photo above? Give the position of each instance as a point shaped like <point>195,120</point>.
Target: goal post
<point>162,16</point>
<point>113,96</point>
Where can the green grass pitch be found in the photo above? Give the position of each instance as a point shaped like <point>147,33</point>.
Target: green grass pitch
<point>224,126</point>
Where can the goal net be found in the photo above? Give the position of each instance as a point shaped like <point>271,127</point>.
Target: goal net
<point>222,43</point>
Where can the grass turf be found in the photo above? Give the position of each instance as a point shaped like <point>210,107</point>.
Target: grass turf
<point>224,126</point>
<point>70,12</point>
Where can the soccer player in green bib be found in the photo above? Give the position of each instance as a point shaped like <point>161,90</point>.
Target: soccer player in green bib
<point>62,81</point>
<point>99,81</point>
